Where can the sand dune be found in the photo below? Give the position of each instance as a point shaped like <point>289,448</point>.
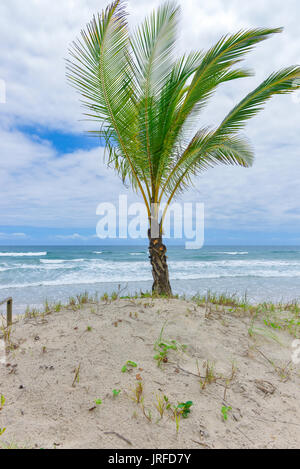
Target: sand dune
<point>253,379</point>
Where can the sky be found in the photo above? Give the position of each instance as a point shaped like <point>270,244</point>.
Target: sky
<point>53,177</point>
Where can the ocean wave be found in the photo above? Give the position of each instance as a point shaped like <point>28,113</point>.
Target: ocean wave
<point>97,252</point>
<point>45,261</point>
<point>235,263</point>
<point>80,280</point>
<point>232,253</point>
<point>60,261</point>
<point>22,254</point>
<point>285,251</point>
<point>36,267</point>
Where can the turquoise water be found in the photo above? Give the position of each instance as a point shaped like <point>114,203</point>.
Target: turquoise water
<point>32,274</point>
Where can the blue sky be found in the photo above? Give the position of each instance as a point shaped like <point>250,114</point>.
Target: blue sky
<point>52,176</point>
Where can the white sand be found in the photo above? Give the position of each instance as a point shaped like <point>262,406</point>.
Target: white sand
<point>43,410</point>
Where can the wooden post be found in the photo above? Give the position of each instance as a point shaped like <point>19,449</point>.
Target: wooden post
<point>9,312</point>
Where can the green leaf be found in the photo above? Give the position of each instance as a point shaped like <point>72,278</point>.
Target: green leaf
<point>130,363</point>
<point>225,411</point>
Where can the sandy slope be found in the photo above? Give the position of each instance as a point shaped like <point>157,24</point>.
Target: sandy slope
<point>43,410</point>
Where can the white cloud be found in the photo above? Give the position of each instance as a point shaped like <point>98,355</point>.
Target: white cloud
<point>13,235</point>
<point>64,191</point>
<point>39,187</point>
<point>35,36</point>
<point>74,236</point>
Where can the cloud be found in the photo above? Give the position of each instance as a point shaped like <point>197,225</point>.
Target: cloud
<point>13,235</point>
<point>43,188</point>
<point>35,37</point>
<point>74,236</point>
<point>40,186</point>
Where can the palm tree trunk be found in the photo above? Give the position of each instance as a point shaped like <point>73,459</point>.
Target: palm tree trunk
<point>160,271</point>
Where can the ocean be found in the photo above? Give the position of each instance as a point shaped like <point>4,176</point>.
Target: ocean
<point>33,274</point>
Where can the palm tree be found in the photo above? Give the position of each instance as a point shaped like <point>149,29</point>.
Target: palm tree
<point>147,103</point>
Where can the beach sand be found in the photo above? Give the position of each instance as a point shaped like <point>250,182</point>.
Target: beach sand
<point>46,407</point>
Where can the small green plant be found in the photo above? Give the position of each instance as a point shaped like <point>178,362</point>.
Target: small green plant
<point>116,392</point>
<point>184,408</point>
<point>138,393</point>
<point>32,313</point>
<point>163,346</point>
<point>147,413</point>
<point>210,375</point>
<point>2,401</point>
<point>114,296</point>
<point>177,420</point>
<point>129,364</point>
<point>272,324</point>
<point>252,322</point>
<point>163,349</point>
<point>89,329</point>
<point>104,297</point>
<point>161,405</point>
<point>46,307</point>
<point>72,301</point>
<point>168,405</point>
<point>98,401</point>
<point>6,333</point>
<point>83,298</point>
<point>224,411</point>
<point>57,307</point>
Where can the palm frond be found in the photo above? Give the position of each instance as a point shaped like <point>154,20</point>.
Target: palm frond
<point>152,47</point>
<point>168,101</point>
<point>214,69</point>
<point>282,82</point>
<point>206,150</point>
<point>101,72</point>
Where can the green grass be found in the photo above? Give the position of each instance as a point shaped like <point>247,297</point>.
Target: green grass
<point>222,299</point>
<point>281,316</point>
